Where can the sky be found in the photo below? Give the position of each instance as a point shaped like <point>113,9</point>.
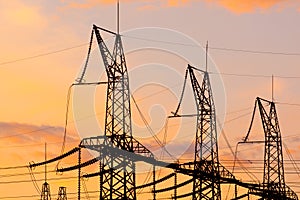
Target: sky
<point>44,45</point>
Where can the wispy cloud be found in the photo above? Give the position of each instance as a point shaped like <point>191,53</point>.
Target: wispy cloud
<point>248,6</point>
<point>241,6</point>
<point>16,136</point>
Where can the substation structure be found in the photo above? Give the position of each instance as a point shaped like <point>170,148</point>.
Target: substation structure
<point>118,150</point>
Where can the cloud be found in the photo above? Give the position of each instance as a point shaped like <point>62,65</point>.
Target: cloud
<point>147,4</point>
<point>147,7</point>
<point>25,142</point>
<point>176,3</point>
<point>241,6</point>
<point>91,3</point>
<point>247,6</point>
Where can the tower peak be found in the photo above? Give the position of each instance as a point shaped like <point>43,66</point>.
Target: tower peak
<point>118,17</point>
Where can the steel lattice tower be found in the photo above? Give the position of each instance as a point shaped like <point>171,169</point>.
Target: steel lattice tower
<point>206,146</point>
<point>119,180</point>
<point>119,183</point>
<point>45,195</point>
<point>117,147</point>
<point>273,179</point>
<point>62,193</point>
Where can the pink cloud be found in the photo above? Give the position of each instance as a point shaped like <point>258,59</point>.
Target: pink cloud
<point>241,6</point>
<point>25,142</point>
<point>247,6</point>
<point>147,7</point>
<point>91,3</point>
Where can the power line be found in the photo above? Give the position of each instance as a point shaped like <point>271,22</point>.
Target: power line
<point>23,174</point>
<point>14,167</point>
<point>241,75</point>
<point>31,145</point>
<point>255,51</point>
<point>43,54</point>
<point>150,129</point>
<point>159,41</point>
<point>20,196</point>
<point>214,48</point>
<point>288,104</point>
<point>29,132</point>
<point>58,127</point>
<point>247,172</point>
<point>254,75</point>
<point>28,181</point>
<point>238,117</point>
<point>30,196</point>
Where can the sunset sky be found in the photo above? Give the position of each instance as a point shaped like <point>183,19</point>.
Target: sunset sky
<point>44,45</point>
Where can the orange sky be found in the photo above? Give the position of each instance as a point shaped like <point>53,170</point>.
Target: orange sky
<point>33,91</point>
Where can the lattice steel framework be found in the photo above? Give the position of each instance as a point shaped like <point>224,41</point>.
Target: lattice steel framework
<point>45,195</point>
<point>273,179</point>
<point>62,193</point>
<point>206,146</point>
<point>119,183</point>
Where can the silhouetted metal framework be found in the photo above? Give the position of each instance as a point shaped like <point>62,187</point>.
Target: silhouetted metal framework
<point>118,150</point>
<point>142,154</point>
<point>206,159</point>
<point>118,183</point>
<point>273,165</point>
<point>206,146</point>
<point>119,180</point>
<point>45,195</point>
<point>62,193</point>
<point>274,186</point>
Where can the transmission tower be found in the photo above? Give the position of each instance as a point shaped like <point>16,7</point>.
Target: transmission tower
<point>45,192</point>
<point>273,179</point>
<point>274,186</point>
<point>119,180</point>
<point>206,146</point>
<point>62,193</point>
<point>45,195</point>
<point>119,183</point>
<point>119,150</point>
